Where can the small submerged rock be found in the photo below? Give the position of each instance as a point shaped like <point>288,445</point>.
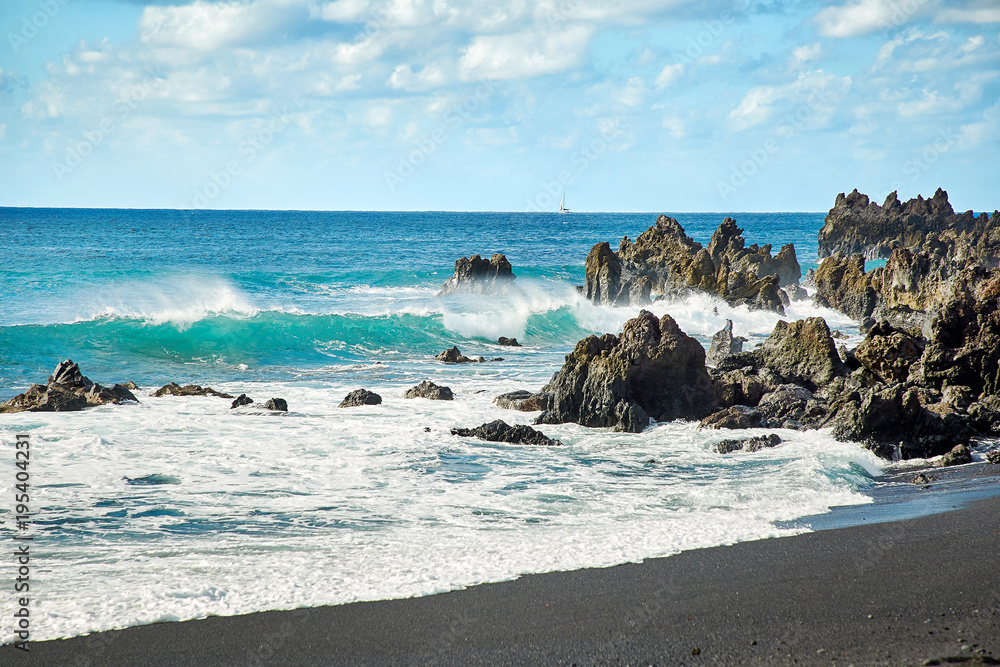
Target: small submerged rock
<point>174,389</point>
<point>360,397</point>
<point>508,342</point>
<point>67,390</point>
<point>756,443</point>
<point>922,478</point>
<point>240,401</point>
<point>524,401</point>
<point>501,431</point>
<point>429,390</point>
<point>275,404</point>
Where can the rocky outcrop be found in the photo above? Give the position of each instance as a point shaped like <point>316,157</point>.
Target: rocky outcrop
<point>524,401</point>
<point>174,389</point>
<point>652,370</point>
<point>360,397</point>
<point>507,342</point>
<point>856,225</point>
<point>735,417</point>
<point>724,344</point>
<point>959,455</point>
<point>889,352</point>
<point>500,431</point>
<point>454,356</point>
<point>753,444</point>
<point>477,275</point>
<point>663,258</point>
<point>429,390</point>
<point>803,353</point>
<point>67,390</point>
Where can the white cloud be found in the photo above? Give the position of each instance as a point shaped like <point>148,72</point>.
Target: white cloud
<point>668,75</point>
<point>344,11</point>
<point>970,15</point>
<point>674,126</point>
<point>860,17</point>
<point>804,54</point>
<point>204,26</point>
<point>524,55</point>
<point>404,78</point>
<point>818,92</point>
<point>975,135</point>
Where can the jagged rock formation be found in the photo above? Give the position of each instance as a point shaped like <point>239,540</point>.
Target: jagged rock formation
<point>524,401</point>
<point>360,397</point>
<point>856,225</point>
<point>501,431</point>
<point>66,390</point>
<point>503,341</point>
<point>665,259</point>
<point>724,344</point>
<point>477,275</point>
<point>429,390</point>
<point>653,369</point>
<point>174,389</point>
<point>802,353</point>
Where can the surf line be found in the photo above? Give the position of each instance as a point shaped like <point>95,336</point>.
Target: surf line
<point>22,552</point>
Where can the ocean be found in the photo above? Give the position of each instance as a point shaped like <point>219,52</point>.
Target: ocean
<point>179,508</point>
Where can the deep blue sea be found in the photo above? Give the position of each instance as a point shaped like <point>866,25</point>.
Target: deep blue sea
<point>179,508</point>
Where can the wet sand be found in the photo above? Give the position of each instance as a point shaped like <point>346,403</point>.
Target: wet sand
<point>885,591</point>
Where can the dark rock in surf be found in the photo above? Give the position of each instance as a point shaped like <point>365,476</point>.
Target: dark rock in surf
<point>735,417</point>
<point>277,404</point>
<point>360,397</point>
<point>653,369</point>
<point>67,390</point>
<point>240,401</point>
<point>754,444</point>
<point>174,389</point>
<point>454,356</point>
<point>429,390</point>
<point>508,342</point>
<point>500,431</point>
<point>477,275</point>
<point>525,401</point>
<point>959,455</point>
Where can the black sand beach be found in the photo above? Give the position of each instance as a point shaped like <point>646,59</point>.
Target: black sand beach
<point>904,592</point>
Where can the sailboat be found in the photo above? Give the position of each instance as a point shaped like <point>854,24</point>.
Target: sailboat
<point>562,202</point>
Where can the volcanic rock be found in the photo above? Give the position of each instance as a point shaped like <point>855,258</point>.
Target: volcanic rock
<point>240,401</point>
<point>360,397</point>
<point>67,390</point>
<point>477,275</point>
<point>454,356</point>
<point>508,342</point>
<point>889,352</point>
<point>856,225</point>
<point>756,443</point>
<point>500,431</point>
<point>277,404</point>
<point>525,401</point>
<point>959,455</point>
<point>724,343</point>
<point>653,369</point>
<point>734,417</point>
<point>803,353</point>
<point>174,389</point>
<point>429,390</point>
<point>665,259</point>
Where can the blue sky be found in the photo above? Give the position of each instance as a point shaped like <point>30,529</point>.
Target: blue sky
<point>635,105</point>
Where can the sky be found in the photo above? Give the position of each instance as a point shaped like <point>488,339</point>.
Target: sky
<point>506,105</point>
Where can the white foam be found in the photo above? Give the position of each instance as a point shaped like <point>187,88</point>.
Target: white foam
<point>327,505</point>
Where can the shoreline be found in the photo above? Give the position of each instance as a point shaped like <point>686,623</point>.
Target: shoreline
<point>878,591</point>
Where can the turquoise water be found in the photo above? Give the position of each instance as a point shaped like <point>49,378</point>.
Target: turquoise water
<point>178,508</point>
